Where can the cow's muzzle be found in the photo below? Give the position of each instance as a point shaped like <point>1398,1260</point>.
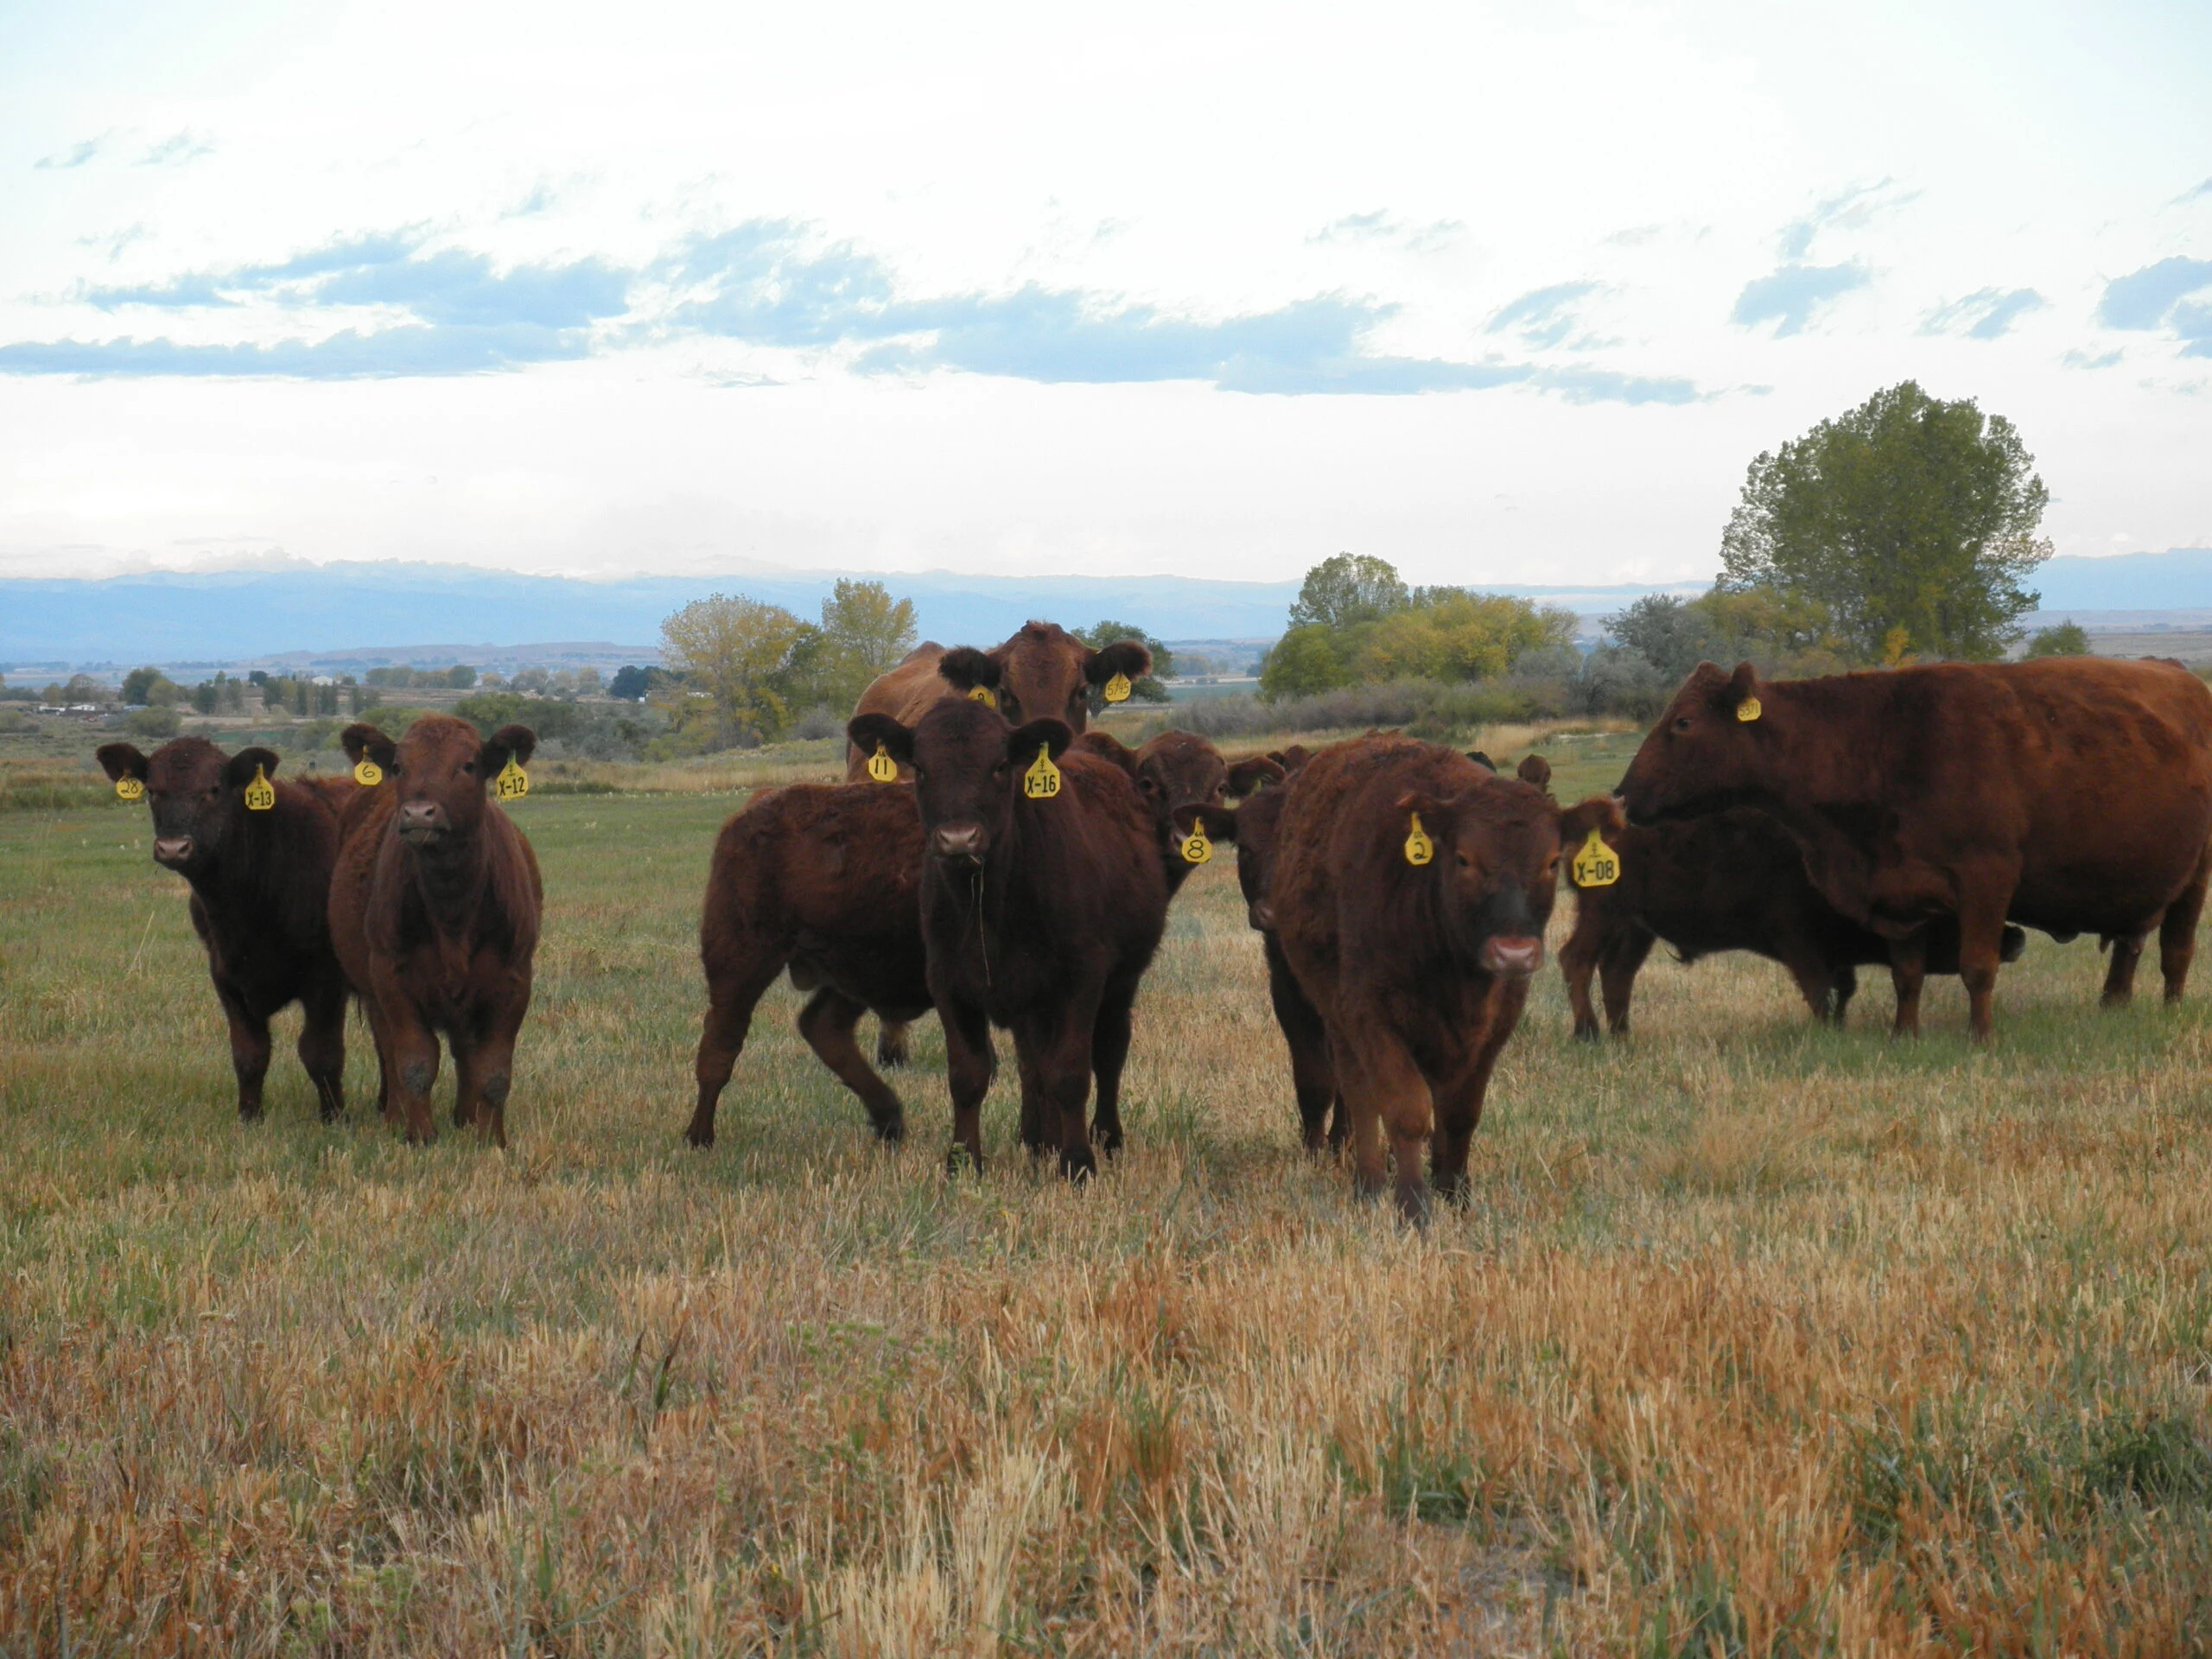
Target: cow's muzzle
<point>959,843</point>
<point>173,851</point>
<point>1515,955</point>
<point>421,823</point>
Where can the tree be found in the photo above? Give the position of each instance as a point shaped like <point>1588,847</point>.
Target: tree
<point>1349,589</point>
<point>863,632</point>
<point>151,686</point>
<point>461,676</point>
<point>1906,513</point>
<point>1304,663</point>
<point>630,683</point>
<point>735,656</point>
<point>2067,639</point>
<point>1452,635</point>
<point>1150,689</point>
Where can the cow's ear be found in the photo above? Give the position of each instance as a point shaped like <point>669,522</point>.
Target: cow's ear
<point>1220,821</point>
<point>1436,816</point>
<point>1600,812</point>
<point>1126,657</point>
<point>865,732</point>
<point>238,770</point>
<point>121,760</point>
<point>963,668</point>
<point>1481,760</point>
<point>1051,735</point>
<point>361,739</point>
<point>1107,747</point>
<point>1535,769</point>
<point>516,743</point>
<point>1253,773</point>
<point>1292,759</point>
<point>1742,687</point>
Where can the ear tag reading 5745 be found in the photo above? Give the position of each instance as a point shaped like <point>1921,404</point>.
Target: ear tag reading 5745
<point>368,773</point>
<point>1748,709</point>
<point>260,794</point>
<point>1597,865</point>
<point>984,695</point>
<point>130,789</point>
<point>1117,690</point>
<point>1197,849</point>
<point>882,767</point>
<point>513,783</point>
<point>1042,781</point>
<point>1418,848</point>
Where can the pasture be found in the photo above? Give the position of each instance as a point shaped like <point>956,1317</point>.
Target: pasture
<point>1755,1338</point>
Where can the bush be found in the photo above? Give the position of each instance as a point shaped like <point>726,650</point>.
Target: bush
<point>157,722</point>
<point>2067,639</point>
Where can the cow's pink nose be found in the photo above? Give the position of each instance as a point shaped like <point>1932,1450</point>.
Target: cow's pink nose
<point>172,850</point>
<point>1502,954</point>
<point>420,817</point>
<point>958,841</point>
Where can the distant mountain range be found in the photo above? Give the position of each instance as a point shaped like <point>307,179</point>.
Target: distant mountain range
<point>360,614</point>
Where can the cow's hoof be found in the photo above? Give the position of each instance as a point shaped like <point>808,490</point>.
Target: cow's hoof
<point>961,1161</point>
<point>1079,1167</point>
<point>701,1136</point>
<point>891,1130</point>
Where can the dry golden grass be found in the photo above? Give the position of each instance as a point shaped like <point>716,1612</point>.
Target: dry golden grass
<point>1754,1339</point>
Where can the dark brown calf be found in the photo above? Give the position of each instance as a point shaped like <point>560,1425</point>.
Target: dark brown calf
<point>260,883</point>
<point>1040,910</point>
<point>1178,769</point>
<point>435,911</point>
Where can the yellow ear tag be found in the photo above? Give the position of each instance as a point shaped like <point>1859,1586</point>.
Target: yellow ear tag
<point>1418,848</point>
<point>1117,690</point>
<point>1597,865</point>
<point>130,789</point>
<point>513,783</point>
<point>260,794</point>
<point>1042,781</point>
<point>1748,709</point>
<point>984,695</point>
<point>882,767</point>
<point>1197,849</point>
<point>368,773</point>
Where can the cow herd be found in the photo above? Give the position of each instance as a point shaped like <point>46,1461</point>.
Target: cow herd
<point>991,858</point>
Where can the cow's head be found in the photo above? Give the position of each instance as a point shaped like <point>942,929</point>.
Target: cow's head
<point>196,792</point>
<point>1707,751</point>
<point>1533,770</point>
<point>1493,870</point>
<point>1179,769</point>
<point>1251,828</point>
<point>968,765</point>
<point>1043,672</point>
<point>439,770</point>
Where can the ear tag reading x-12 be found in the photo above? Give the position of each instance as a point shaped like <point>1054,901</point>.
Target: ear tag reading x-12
<point>882,767</point>
<point>984,695</point>
<point>1748,709</point>
<point>128,788</point>
<point>1597,865</point>
<point>1042,781</point>
<point>513,783</point>
<point>260,794</point>
<point>1117,690</point>
<point>1418,848</point>
<point>1197,849</point>
<point>368,773</point>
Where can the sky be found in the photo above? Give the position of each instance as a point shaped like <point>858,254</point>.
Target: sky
<point>1499,293</point>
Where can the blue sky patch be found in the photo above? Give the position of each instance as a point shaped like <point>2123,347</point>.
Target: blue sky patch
<point>1792,297</point>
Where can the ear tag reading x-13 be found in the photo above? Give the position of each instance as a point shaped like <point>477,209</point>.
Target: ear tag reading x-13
<point>882,767</point>
<point>984,695</point>
<point>260,794</point>
<point>1197,849</point>
<point>1748,709</point>
<point>1117,689</point>
<point>1418,848</point>
<point>513,783</point>
<point>368,773</point>
<point>1042,781</point>
<point>128,788</point>
<point>1597,865</point>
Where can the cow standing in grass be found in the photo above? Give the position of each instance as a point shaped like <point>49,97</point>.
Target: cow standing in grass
<point>1177,769</point>
<point>260,883</point>
<point>435,911</point>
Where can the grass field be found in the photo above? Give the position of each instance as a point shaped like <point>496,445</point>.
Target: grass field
<point>1755,1338</point>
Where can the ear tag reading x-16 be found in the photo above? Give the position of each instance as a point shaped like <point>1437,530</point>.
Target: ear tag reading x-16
<point>1418,848</point>
<point>260,794</point>
<point>513,783</point>
<point>128,788</point>
<point>1117,689</point>
<point>1597,865</point>
<point>1197,849</point>
<point>368,773</point>
<point>1042,781</point>
<point>882,767</point>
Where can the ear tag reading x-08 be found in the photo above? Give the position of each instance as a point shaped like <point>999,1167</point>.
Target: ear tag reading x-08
<point>882,767</point>
<point>368,773</point>
<point>1748,709</point>
<point>1042,781</point>
<point>260,794</point>
<point>128,788</point>
<point>984,695</point>
<point>513,783</point>
<point>1197,849</point>
<point>1117,690</point>
<point>1418,848</point>
<point>1597,865</point>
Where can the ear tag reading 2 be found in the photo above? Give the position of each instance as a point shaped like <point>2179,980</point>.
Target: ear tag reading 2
<point>1197,849</point>
<point>882,767</point>
<point>1748,709</point>
<point>130,789</point>
<point>1042,781</point>
<point>984,695</point>
<point>513,783</point>
<point>1418,848</point>
<point>368,773</point>
<point>1117,690</point>
<point>1597,865</point>
<point>260,794</point>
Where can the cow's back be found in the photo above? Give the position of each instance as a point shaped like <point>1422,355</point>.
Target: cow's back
<point>905,691</point>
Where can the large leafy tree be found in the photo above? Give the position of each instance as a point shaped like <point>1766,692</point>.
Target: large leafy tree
<point>1912,521</point>
<point>864,631</point>
<point>733,657</point>
<point>1347,590</point>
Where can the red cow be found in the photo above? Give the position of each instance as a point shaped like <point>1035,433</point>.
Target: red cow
<point>1178,769</point>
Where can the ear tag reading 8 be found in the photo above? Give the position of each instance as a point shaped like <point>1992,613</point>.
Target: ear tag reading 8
<point>260,794</point>
<point>368,773</point>
<point>1597,865</point>
<point>1042,781</point>
<point>882,767</point>
<point>128,788</point>
<point>513,783</point>
<point>1197,849</point>
<point>1117,690</point>
<point>1418,848</point>
<point>1748,710</point>
<point>984,695</point>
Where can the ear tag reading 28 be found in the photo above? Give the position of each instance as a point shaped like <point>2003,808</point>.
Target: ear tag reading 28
<point>1597,865</point>
<point>882,767</point>
<point>984,695</point>
<point>1748,709</point>
<point>1117,690</point>
<point>1197,849</point>
<point>513,783</point>
<point>1418,848</point>
<point>368,773</point>
<point>260,794</point>
<point>128,788</point>
<point>1042,781</point>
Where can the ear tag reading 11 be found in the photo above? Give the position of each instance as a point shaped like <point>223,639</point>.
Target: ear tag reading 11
<point>1117,690</point>
<point>368,773</point>
<point>1197,849</point>
<point>1418,848</point>
<point>1597,865</point>
<point>130,789</point>
<point>984,695</point>
<point>260,794</point>
<point>1042,781</point>
<point>1748,709</point>
<point>513,783</point>
<point>882,767</point>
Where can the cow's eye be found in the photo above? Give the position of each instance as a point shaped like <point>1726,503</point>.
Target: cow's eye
<point>1683,723</point>
<point>469,766</point>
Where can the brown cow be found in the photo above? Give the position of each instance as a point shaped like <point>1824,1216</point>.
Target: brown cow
<point>820,879</point>
<point>2070,794</point>
<point>1732,880</point>
<point>1413,940</point>
<point>1040,912</point>
<point>435,911</point>
<point>1179,769</point>
<point>260,883</point>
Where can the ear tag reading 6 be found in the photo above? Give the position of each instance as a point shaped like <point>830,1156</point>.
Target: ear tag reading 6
<point>513,783</point>
<point>984,695</point>
<point>1042,781</point>
<point>260,794</point>
<point>1117,690</point>
<point>368,773</point>
<point>1748,710</point>
<point>1197,849</point>
<point>128,788</point>
<point>882,767</point>
<point>1418,848</point>
<point>1597,865</point>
